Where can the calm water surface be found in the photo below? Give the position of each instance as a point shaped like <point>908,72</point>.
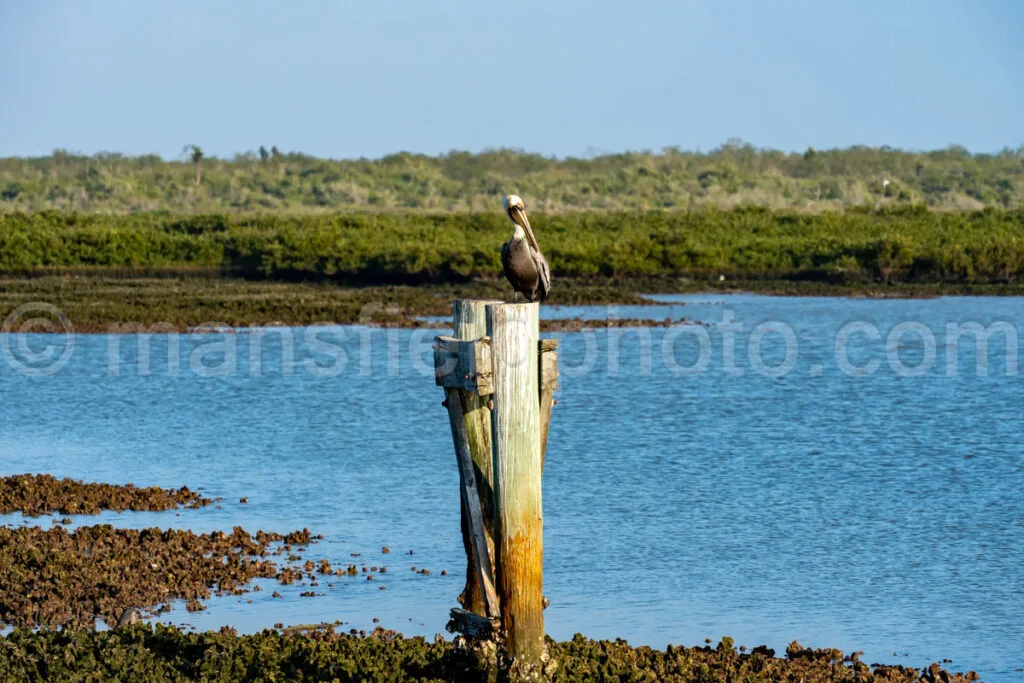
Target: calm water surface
<point>867,499</point>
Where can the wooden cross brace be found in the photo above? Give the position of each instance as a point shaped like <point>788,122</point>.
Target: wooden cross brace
<point>467,365</point>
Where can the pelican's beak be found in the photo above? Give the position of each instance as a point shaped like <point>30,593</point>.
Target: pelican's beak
<point>518,216</point>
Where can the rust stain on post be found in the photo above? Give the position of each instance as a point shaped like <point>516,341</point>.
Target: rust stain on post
<point>516,441</point>
<point>521,584</point>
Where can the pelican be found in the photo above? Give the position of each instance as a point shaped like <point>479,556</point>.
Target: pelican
<point>128,617</point>
<point>525,267</point>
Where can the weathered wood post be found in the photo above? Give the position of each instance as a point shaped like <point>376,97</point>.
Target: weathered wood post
<point>514,332</point>
<point>499,390</point>
<point>470,323</point>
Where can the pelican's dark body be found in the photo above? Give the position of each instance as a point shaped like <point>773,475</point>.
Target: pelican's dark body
<point>128,617</point>
<point>526,269</point>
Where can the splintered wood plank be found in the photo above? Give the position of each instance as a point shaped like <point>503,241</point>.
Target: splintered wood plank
<point>548,384</point>
<point>471,501</point>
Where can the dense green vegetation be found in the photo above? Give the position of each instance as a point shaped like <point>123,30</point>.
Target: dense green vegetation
<point>735,174</point>
<point>908,244</point>
<point>142,653</point>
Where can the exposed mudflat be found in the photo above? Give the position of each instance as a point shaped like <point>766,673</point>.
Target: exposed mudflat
<point>144,653</point>
<point>55,583</point>
<point>96,304</point>
<point>38,494</point>
<point>57,578</point>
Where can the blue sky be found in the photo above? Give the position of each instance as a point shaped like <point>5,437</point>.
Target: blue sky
<point>343,79</point>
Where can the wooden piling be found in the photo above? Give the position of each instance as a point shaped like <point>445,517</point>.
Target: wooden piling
<point>470,322</point>
<point>513,330</point>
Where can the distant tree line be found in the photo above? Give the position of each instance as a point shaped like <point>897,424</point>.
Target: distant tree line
<point>732,175</point>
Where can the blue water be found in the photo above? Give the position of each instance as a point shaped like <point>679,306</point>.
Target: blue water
<point>867,499</point>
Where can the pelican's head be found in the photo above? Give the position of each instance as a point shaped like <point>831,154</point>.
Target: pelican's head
<point>516,210</point>
<point>513,201</point>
